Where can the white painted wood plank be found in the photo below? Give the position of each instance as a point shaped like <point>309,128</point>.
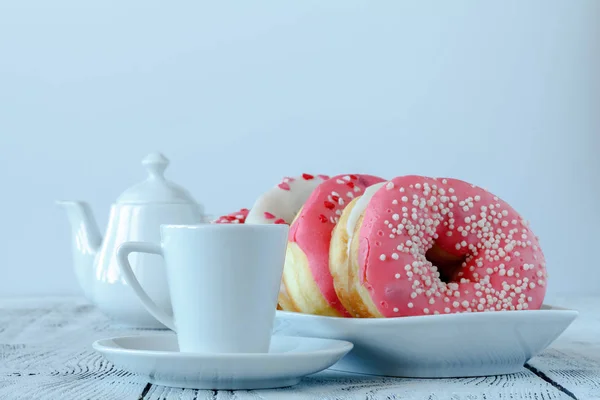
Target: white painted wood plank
<point>166,393</point>
<point>338,385</point>
<point>46,353</point>
<point>573,360</point>
<point>51,340</point>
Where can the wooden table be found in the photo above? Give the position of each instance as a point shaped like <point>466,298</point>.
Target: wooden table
<point>46,353</point>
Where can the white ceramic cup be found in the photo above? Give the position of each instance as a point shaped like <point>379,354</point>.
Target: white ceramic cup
<point>223,282</point>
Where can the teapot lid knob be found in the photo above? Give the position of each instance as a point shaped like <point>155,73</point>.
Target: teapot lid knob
<point>155,163</point>
<point>156,188</point>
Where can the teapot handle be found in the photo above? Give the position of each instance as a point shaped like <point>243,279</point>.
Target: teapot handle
<point>123,261</point>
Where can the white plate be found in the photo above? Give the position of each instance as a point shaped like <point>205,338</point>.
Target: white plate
<point>449,345</point>
<point>157,357</point>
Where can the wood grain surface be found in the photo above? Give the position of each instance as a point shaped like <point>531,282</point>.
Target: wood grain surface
<point>46,353</point>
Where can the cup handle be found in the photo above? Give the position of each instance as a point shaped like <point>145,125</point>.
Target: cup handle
<point>123,261</point>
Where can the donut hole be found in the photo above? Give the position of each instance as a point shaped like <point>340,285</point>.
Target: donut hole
<point>449,265</point>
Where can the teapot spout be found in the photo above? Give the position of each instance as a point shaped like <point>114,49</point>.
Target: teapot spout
<point>86,241</point>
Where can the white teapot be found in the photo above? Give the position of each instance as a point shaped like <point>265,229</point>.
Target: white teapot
<point>135,216</point>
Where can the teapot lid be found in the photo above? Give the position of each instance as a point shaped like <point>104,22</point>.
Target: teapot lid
<point>155,189</point>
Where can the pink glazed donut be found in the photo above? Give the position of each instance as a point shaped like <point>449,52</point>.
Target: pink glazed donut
<point>306,278</point>
<point>419,245</point>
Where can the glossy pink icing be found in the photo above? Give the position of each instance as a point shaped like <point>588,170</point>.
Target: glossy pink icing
<point>504,267</point>
<point>312,229</point>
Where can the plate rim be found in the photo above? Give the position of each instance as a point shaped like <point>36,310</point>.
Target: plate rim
<point>341,347</point>
<point>552,310</point>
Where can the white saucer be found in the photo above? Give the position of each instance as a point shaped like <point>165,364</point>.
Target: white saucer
<point>157,357</point>
<point>449,345</point>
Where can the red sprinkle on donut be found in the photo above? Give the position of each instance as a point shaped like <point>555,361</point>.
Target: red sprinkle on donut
<point>238,217</point>
<point>353,177</point>
<point>322,218</point>
<point>268,215</point>
<point>284,186</point>
<point>329,205</point>
<point>350,185</point>
<point>279,221</point>
<point>308,177</point>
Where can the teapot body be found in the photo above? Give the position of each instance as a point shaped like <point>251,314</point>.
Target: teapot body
<point>136,222</point>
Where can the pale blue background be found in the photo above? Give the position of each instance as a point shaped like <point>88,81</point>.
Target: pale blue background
<point>505,94</point>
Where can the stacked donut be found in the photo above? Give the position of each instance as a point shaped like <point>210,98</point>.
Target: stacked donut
<point>362,246</point>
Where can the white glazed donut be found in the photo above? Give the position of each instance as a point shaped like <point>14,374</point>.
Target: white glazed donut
<point>280,204</point>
